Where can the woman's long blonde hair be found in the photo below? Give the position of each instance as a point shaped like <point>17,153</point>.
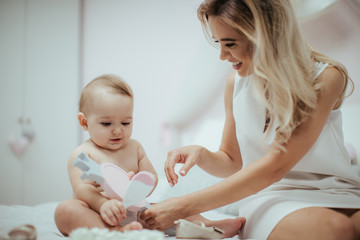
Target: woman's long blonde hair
<point>283,63</point>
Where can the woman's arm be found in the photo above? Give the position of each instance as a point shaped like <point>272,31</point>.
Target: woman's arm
<point>227,160</point>
<point>259,174</point>
<point>222,163</point>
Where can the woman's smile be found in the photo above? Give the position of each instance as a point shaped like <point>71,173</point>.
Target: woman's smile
<point>236,65</point>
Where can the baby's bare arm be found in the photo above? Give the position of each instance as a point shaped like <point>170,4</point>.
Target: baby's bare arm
<point>145,164</point>
<point>112,211</point>
<point>85,190</point>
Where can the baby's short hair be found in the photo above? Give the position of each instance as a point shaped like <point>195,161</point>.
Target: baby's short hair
<point>112,81</point>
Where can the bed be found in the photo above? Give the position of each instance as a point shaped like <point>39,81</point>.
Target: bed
<point>41,216</point>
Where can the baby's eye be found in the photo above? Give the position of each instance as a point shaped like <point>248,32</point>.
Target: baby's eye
<point>106,124</point>
<point>125,123</point>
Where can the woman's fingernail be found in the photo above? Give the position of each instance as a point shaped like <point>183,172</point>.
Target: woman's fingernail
<point>171,184</point>
<point>182,172</point>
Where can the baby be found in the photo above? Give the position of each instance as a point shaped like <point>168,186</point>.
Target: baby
<point>106,112</point>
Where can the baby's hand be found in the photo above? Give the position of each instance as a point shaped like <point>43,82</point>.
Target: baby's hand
<point>113,212</point>
<point>131,174</point>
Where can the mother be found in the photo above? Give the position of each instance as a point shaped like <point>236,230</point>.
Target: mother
<point>282,153</point>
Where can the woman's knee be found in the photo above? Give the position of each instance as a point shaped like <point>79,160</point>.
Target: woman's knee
<point>315,223</point>
<point>334,226</point>
<point>341,227</point>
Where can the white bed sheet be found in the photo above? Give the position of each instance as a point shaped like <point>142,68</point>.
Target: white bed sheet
<point>42,217</point>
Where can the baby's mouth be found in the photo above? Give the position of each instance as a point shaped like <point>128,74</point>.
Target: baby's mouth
<point>115,139</point>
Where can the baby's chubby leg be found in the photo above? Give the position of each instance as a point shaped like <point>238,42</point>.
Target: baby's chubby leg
<point>74,213</point>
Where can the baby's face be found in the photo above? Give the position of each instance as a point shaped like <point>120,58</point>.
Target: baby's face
<point>109,118</point>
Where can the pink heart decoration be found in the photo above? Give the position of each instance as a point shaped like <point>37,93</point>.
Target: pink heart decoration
<point>18,145</point>
<point>132,192</point>
<point>116,183</point>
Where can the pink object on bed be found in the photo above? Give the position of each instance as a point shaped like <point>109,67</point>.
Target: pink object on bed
<point>116,183</point>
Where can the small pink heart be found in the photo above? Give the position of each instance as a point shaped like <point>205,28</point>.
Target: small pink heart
<point>18,145</point>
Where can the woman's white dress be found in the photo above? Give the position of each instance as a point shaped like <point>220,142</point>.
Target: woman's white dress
<point>325,177</point>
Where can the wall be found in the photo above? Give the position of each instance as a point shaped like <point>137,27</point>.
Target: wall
<point>39,72</point>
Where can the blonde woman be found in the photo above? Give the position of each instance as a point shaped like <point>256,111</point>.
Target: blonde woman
<point>282,153</point>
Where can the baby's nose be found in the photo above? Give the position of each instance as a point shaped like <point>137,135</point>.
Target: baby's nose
<point>117,130</point>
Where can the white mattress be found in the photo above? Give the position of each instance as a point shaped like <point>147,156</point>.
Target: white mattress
<point>42,217</point>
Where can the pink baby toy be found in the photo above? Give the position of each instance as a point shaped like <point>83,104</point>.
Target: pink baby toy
<point>115,181</point>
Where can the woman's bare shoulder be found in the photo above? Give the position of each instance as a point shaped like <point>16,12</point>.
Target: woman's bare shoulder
<point>333,85</point>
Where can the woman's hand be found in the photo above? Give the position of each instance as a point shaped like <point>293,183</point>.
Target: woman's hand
<point>188,155</point>
<point>161,216</point>
<point>113,212</point>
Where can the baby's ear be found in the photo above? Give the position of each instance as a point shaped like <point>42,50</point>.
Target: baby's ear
<point>82,120</point>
